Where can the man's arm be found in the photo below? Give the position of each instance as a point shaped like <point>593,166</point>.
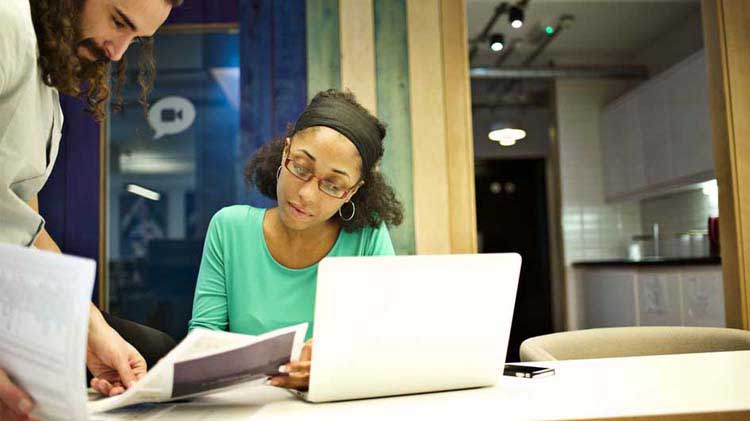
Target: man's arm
<point>114,363</point>
<point>43,240</point>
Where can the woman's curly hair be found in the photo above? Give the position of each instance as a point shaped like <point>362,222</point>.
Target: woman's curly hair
<point>376,202</point>
<point>57,23</point>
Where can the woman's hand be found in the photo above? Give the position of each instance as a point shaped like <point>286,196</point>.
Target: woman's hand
<point>298,371</point>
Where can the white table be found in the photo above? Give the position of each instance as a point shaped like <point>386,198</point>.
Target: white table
<point>708,386</point>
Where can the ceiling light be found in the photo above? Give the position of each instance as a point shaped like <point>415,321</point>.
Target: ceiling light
<point>497,42</point>
<point>507,136</point>
<point>143,192</point>
<point>149,162</point>
<point>515,17</point>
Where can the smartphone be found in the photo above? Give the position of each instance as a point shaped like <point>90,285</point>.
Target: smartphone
<point>527,371</point>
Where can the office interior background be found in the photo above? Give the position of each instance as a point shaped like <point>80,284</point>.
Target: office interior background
<point>589,149</point>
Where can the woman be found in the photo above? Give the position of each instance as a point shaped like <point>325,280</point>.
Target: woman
<point>259,267</point>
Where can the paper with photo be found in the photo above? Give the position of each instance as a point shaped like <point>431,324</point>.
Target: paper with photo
<point>208,361</point>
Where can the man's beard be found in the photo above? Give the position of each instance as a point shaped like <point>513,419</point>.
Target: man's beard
<point>100,57</point>
<point>92,70</point>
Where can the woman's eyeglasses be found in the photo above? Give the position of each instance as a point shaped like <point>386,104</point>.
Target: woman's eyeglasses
<point>306,174</point>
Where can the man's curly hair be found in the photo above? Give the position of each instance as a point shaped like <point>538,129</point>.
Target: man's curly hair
<point>57,27</point>
<point>375,201</point>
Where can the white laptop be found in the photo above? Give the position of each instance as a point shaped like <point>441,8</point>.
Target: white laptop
<point>400,325</point>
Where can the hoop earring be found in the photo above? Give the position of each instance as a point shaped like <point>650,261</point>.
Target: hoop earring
<point>278,173</point>
<point>354,210</point>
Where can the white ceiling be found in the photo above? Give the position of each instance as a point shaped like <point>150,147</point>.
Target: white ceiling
<point>604,31</point>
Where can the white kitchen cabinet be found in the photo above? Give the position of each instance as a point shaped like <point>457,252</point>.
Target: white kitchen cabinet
<point>703,298</point>
<point>608,297</point>
<point>658,136</point>
<point>622,147</point>
<point>616,172</point>
<point>650,296</point>
<point>634,157</point>
<point>653,105</point>
<point>659,298</point>
<point>690,123</point>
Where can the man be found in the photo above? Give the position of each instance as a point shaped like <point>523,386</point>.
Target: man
<point>46,47</point>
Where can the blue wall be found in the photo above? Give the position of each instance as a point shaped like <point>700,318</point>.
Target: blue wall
<point>69,202</point>
<point>273,73</point>
<point>204,11</point>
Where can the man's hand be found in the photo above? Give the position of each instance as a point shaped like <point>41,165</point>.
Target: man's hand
<point>115,364</point>
<point>15,404</point>
<point>299,371</point>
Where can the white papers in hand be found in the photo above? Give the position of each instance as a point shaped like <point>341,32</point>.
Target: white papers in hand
<point>44,313</point>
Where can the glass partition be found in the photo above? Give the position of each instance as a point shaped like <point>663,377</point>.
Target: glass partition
<point>169,171</point>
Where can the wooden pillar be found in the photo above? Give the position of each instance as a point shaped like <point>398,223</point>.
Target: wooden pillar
<point>458,127</point>
<point>726,30</point>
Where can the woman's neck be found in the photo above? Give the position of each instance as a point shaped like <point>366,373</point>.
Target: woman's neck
<point>321,235</point>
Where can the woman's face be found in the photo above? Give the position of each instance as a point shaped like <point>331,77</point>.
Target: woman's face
<point>332,159</point>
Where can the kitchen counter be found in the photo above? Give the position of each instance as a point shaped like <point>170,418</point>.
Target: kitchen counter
<point>661,261</point>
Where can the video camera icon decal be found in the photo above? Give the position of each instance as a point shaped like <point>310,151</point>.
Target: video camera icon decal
<point>171,115</point>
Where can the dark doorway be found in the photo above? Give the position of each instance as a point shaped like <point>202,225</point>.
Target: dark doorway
<point>512,217</point>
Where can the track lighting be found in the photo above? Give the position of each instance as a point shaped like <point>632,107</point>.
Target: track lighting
<point>497,42</point>
<point>515,17</point>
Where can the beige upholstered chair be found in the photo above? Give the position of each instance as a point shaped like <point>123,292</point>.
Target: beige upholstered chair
<point>632,341</point>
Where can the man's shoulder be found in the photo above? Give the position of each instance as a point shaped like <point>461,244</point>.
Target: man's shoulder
<point>17,44</point>
<point>16,26</point>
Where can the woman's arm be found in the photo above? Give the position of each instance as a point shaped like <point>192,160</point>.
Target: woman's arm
<point>210,301</point>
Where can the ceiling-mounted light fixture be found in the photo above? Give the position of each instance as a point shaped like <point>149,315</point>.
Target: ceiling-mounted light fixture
<point>143,192</point>
<point>515,17</point>
<point>507,142</point>
<point>506,134</point>
<point>497,42</point>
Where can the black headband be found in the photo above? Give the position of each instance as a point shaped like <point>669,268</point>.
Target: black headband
<point>349,120</point>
